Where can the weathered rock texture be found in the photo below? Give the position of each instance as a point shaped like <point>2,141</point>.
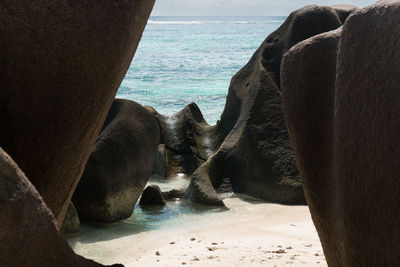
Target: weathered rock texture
<point>28,233</point>
<point>152,196</point>
<point>341,101</point>
<point>159,168</point>
<point>61,63</point>
<point>249,149</point>
<point>120,164</point>
<point>71,223</point>
<point>174,194</point>
<point>188,141</point>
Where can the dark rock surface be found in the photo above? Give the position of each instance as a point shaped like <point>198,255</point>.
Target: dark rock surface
<point>152,196</point>
<point>71,223</point>
<point>61,63</point>
<point>308,75</point>
<point>341,101</point>
<point>308,88</point>
<point>28,233</point>
<point>173,194</point>
<point>120,164</point>
<point>188,140</point>
<point>249,148</point>
<point>159,168</point>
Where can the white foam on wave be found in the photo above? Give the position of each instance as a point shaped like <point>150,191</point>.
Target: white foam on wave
<point>196,22</point>
<point>174,22</point>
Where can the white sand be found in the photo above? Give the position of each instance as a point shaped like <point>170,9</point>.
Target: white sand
<point>249,234</point>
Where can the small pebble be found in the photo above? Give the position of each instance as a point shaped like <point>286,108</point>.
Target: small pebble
<point>214,243</point>
<point>171,243</point>
<point>158,253</point>
<point>183,263</point>
<point>192,239</point>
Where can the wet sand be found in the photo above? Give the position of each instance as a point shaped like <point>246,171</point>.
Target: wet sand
<point>250,233</point>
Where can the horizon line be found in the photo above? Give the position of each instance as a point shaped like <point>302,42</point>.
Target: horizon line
<point>216,16</point>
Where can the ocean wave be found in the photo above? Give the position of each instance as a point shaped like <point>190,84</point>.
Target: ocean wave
<point>196,22</point>
<point>173,22</point>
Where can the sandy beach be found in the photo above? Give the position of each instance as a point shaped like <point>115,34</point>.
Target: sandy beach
<point>250,233</point>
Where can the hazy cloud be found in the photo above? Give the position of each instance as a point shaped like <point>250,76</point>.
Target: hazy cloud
<point>238,7</point>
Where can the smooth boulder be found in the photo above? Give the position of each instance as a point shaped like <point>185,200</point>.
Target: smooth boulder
<point>152,196</point>
<point>120,164</point>
<point>61,64</point>
<point>341,101</point>
<point>29,234</point>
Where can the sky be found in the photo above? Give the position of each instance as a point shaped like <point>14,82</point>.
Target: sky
<point>239,7</point>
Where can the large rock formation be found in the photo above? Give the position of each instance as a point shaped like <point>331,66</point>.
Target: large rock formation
<point>61,63</point>
<point>308,88</point>
<point>120,164</point>
<point>341,101</point>
<point>28,233</point>
<point>249,149</point>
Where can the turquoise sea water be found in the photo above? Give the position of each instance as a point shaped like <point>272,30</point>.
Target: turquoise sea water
<point>192,59</point>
